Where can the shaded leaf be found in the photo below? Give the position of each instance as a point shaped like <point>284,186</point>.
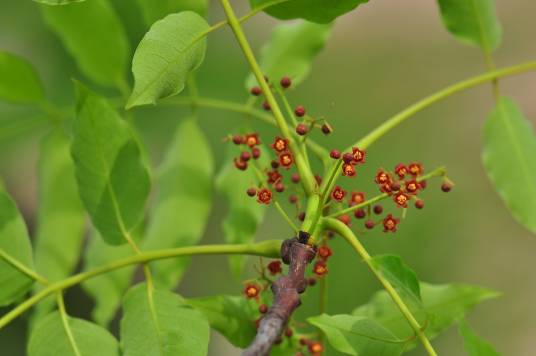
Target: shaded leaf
<point>173,47</point>
<point>50,338</point>
<point>509,146</point>
<point>319,11</point>
<point>107,289</point>
<point>15,243</point>
<point>112,178</point>
<point>473,344</point>
<point>183,201</point>
<point>244,213</point>
<point>356,335</point>
<point>231,316</point>
<point>57,2</point>
<point>442,306</point>
<point>19,82</point>
<point>291,50</point>
<point>166,327</point>
<point>92,33</point>
<point>400,275</point>
<point>61,218</point>
<point>156,10</point>
<point>472,21</point>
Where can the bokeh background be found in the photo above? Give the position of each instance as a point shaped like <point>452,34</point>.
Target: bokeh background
<point>381,58</point>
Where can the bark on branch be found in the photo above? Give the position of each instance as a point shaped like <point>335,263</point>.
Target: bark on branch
<point>287,289</point>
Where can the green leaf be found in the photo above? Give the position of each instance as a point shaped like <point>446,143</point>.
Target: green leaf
<point>473,344</point>
<point>509,146</point>
<point>50,338</point>
<point>473,22</point>
<point>19,82</point>
<point>356,335</point>
<point>61,218</point>
<point>400,275</point>
<point>442,306</point>
<point>319,11</point>
<point>156,10</point>
<point>244,213</point>
<point>107,289</point>
<point>57,2</point>
<point>231,316</point>
<point>93,34</point>
<point>15,243</point>
<point>183,201</point>
<point>173,47</point>
<point>112,178</point>
<point>162,325</point>
<point>291,50</point>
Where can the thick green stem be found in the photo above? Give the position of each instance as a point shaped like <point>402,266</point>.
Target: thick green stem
<point>21,267</point>
<point>348,235</point>
<point>306,175</point>
<point>268,249</point>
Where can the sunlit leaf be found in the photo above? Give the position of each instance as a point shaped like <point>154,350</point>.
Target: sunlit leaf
<point>161,325</point>
<point>399,274</point>
<point>291,50</point>
<point>19,81</point>
<point>156,10</point>
<point>509,146</point>
<point>173,47</point>
<point>183,201</point>
<point>93,34</point>
<point>50,338</point>
<point>320,11</point>
<point>112,178</point>
<point>473,344</point>
<point>472,21</point>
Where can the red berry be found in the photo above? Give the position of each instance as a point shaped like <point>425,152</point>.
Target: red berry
<point>378,209</point>
<point>256,91</point>
<point>263,308</point>
<point>251,191</point>
<point>255,152</point>
<point>311,281</point>
<point>446,187</point>
<point>301,216</point>
<point>293,199</point>
<point>245,156</point>
<point>241,165</point>
<point>279,187</point>
<point>266,106</point>
<point>360,213</point>
<point>335,154</point>
<point>285,82</point>
<point>238,140</point>
<point>299,111</point>
<point>395,186</point>
<point>326,129</point>
<point>419,204</point>
<point>295,178</point>
<point>302,129</point>
<point>369,224</point>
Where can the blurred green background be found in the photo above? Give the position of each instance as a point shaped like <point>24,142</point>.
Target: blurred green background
<point>381,58</point>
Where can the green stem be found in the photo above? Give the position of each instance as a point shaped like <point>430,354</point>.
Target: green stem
<point>343,230</point>
<point>27,271</point>
<point>306,175</point>
<point>65,322</point>
<point>268,249</point>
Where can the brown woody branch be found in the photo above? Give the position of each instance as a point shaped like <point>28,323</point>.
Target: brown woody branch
<point>287,289</point>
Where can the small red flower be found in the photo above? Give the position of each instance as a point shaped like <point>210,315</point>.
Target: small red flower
<point>412,186</point>
<point>264,196</point>
<point>315,348</point>
<point>348,170</point>
<point>252,139</point>
<point>286,160</point>
<point>242,165</point>
<point>390,223</point>
<point>401,170</point>
<point>386,188</point>
<point>252,290</point>
<point>415,169</point>
<point>320,268</point>
<point>401,200</point>
<point>324,251</point>
<point>356,198</point>
<point>280,144</point>
<point>359,155</point>
<point>382,177</point>
<point>338,193</point>
<point>274,267</point>
<point>274,176</point>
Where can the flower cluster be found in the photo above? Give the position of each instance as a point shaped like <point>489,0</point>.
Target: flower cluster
<point>251,142</point>
<point>349,160</point>
<point>402,184</point>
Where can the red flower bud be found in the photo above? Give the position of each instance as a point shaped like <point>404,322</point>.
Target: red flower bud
<point>251,192</point>
<point>299,111</point>
<point>274,267</point>
<point>240,164</point>
<point>256,91</point>
<point>302,129</point>
<point>335,154</point>
<point>324,252</point>
<point>285,82</point>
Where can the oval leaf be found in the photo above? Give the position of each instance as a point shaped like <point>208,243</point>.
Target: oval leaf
<point>356,335</point>
<point>15,243</point>
<point>50,338</point>
<point>112,178</point>
<point>473,344</point>
<point>509,146</point>
<point>19,81</point>
<point>173,47</point>
<point>319,11</point>
<point>162,325</point>
<point>183,200</point>
<point>290,51</point>
<point>400,275</point>
<point>155,10</point>
<point>93,34</point>
<point>472,21</point>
